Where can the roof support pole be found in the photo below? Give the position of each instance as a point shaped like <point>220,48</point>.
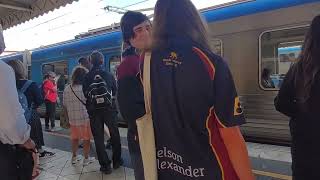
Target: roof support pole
<point>19,8</point>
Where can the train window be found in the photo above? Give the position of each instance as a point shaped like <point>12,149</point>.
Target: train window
<point>216,46</point>
<point>114,62</point>
<point>61,69</point>
<point>279,49</point>
<point>47,68</point>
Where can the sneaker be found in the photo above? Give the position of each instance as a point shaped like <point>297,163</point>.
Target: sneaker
<point>116,165</point>
<point>45,154</point>
<point>88,161</point>
<point>106,169</point>
<point>75,159</point>
<point>54,129</point>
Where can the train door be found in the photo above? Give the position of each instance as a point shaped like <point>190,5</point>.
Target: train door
<point>61,70</point>
<point>114,62</point>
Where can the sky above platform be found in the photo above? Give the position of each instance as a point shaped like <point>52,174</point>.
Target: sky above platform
<point>79,17</point>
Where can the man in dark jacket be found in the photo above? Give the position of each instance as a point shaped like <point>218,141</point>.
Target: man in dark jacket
<point>136,30</point>
<point>105,115</point>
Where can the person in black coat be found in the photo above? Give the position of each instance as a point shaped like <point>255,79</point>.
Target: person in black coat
<point>299,98</point>
<point>35,100</point>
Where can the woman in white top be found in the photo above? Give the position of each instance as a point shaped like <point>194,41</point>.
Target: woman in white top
<point>74,102</point>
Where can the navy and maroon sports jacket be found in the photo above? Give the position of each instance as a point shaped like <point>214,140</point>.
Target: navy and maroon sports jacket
<point>130,91</point>
<point>193,95</point>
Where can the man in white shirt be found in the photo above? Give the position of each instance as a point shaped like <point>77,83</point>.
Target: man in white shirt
<point>15,142</point>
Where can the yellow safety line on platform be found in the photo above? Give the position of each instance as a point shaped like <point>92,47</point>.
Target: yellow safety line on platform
<point>257,172</point>
<point>274,175</point>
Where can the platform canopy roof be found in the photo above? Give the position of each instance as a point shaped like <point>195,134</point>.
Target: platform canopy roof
<point>14,12</point>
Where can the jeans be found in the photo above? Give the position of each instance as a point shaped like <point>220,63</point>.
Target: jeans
<point>50,113</point>
<point>135,154</point>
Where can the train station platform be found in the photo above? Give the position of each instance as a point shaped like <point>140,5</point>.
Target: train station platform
<point>269,162</point>
<point>59,167</point>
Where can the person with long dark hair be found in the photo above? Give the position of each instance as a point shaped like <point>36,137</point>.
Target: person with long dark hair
<point>34,99</point>
<point>299,99</point>
<point>195,108</point>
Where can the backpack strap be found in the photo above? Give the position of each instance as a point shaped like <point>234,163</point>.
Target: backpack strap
<point>25,86</point>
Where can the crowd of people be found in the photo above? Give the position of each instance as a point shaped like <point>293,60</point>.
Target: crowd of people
<point>169,71</point>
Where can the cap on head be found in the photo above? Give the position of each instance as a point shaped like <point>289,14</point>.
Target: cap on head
<point>51,74</point>
<point>128,21</point>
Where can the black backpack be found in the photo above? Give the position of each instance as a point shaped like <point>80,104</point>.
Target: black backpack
<point>99,94</point>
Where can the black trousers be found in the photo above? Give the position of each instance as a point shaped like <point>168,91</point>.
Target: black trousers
<point>135,154</point>
<point>305,161</point>
<point>50,113</point>
<point>36,133</point>
<point>15,163</point>
<point>97,121</point>
<point>305,150</point>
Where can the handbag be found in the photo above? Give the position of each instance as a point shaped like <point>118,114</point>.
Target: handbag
<point>64,118</point>
<point>145,127</point>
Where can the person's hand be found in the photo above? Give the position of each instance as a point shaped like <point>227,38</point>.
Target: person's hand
<point>29,144</point>
<point>57,78</point>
